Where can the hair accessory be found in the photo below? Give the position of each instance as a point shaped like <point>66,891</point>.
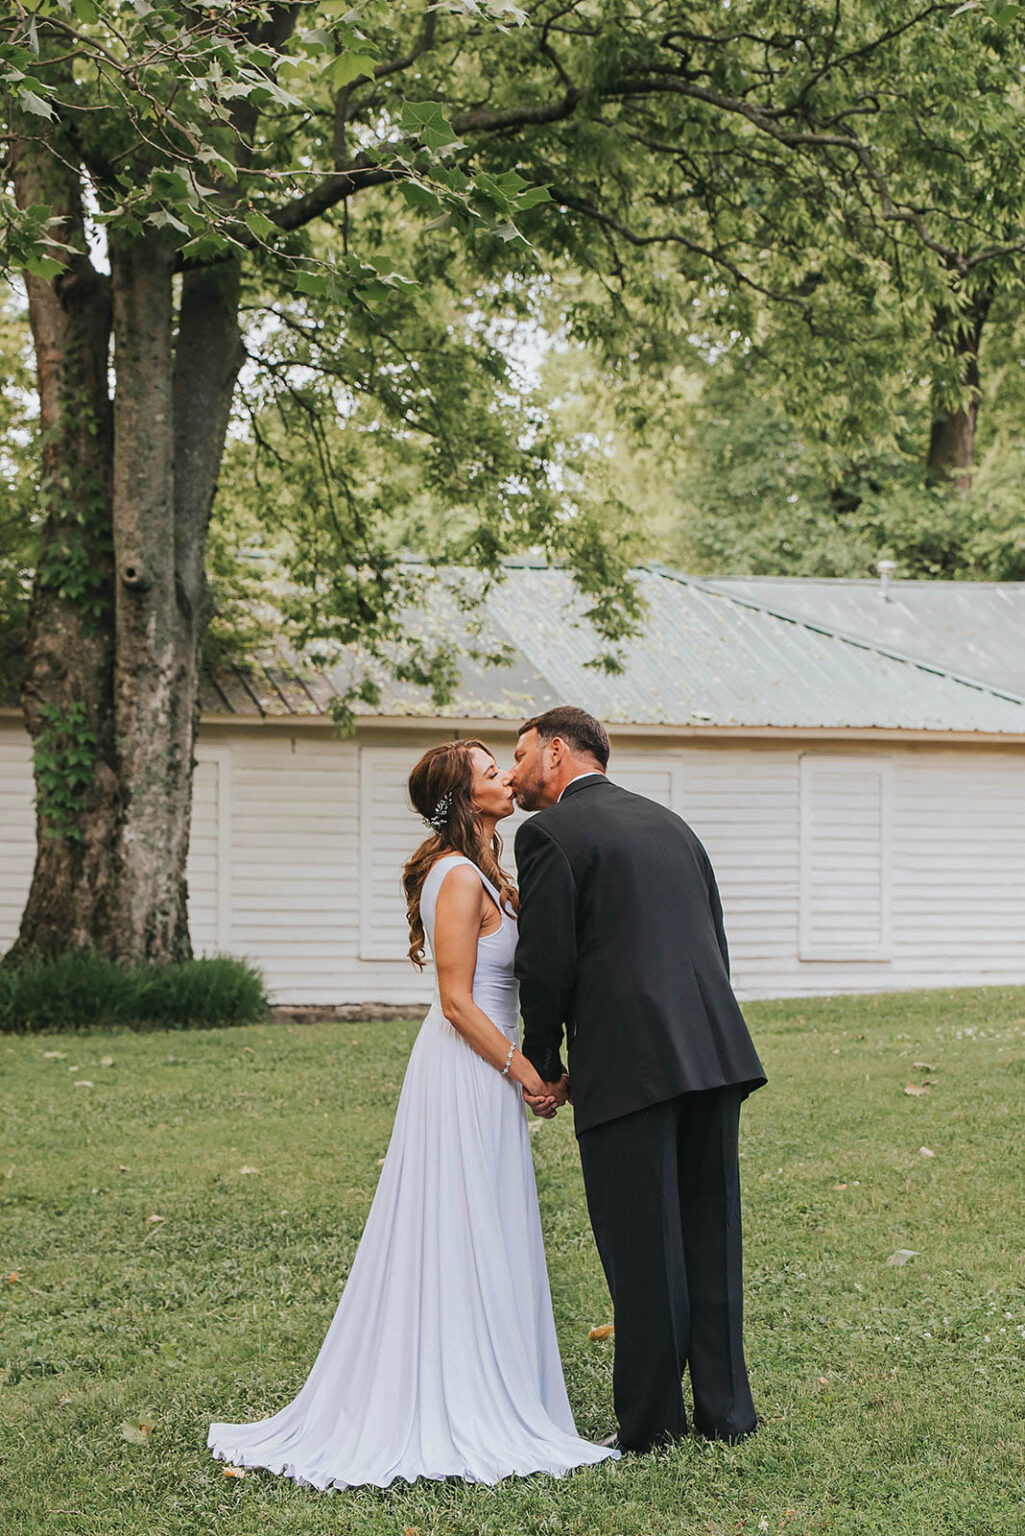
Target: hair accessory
<point>438,819</point>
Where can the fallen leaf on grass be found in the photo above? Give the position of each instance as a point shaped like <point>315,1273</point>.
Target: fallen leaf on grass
<point>901,1256</point>
<point>927,1151</point>
<point>380,1162</point>
<point>13,1277</point>
<point>247,1168</point>
<point>82,1082</point>
<point>106,1061</point>
<point>234,1471</point>
<point>923,1066</point>
<point>604,1332</point>
<point>916,1090</point>
<point>54,1055</point>
<point>839,1186</point>
<point>137,1432</point>
<point>123,1168</point>
<point>156,1218</point>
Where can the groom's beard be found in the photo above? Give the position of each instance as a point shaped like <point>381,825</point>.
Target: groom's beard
<point>529,796</point>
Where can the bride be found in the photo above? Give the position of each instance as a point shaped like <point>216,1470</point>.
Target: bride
<point>441,1359</point>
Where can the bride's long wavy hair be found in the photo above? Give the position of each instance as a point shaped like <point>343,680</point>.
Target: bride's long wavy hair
<point>448,771</point>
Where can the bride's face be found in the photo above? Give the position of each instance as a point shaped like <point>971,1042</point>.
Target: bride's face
<point>491,794</point>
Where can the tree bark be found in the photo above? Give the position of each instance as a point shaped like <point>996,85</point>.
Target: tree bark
<point>153,714</point>
<point>66,692</point>
<point>171,412</point>
<point>952,435</point>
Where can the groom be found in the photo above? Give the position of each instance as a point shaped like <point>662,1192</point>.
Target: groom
<point>622,943</point>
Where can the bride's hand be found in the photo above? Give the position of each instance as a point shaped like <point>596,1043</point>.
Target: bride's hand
<point>542,1104</point>
<point>536,1093</point>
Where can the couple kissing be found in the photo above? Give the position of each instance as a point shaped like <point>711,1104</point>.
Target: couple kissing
<point>442,1358</point>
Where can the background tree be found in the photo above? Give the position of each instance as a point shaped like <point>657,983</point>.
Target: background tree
<point>859,167</point>
<point>169,126</point>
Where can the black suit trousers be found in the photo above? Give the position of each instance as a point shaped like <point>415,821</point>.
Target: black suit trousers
<point>663,1193</point>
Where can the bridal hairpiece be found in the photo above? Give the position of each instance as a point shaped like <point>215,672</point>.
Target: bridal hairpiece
<point>438,819</point>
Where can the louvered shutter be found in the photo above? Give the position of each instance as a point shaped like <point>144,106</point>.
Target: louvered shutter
<point>845,858</point>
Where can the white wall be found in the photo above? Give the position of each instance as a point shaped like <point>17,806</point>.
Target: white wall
<point>841,870</point>
<point>17,829</point>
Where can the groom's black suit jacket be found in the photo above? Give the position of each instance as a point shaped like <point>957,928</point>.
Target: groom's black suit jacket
<point>622,942</point>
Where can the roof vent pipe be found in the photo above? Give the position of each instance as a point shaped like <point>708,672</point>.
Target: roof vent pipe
<point>886,569</point>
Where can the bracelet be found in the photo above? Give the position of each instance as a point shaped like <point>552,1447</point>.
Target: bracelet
<point>508,1061</point>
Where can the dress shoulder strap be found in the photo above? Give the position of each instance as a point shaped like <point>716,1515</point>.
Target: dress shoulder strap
<point>436,874</point>
<point>440,868</point>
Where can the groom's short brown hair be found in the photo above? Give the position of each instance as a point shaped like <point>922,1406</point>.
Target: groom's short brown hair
<point>586,735</point>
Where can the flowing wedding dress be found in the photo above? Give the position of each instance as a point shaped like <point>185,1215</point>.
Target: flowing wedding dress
<point>441,1359</point>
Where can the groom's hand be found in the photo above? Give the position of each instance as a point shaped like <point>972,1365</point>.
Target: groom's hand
<point>559,1091</point>
<point>542,1104</point>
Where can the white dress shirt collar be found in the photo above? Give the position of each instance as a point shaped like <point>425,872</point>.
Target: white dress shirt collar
<point>592,773</point>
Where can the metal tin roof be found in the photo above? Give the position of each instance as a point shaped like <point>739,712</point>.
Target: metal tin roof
<point>732,652</point>
<point>970,627</point>
<point>712,654</point>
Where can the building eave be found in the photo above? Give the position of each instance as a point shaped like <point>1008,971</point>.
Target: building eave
<point>479,725</point>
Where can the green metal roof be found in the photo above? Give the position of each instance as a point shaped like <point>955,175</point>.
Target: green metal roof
<point>940,656</point>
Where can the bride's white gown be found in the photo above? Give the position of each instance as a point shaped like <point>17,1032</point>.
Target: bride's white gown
<point>441,1360</point>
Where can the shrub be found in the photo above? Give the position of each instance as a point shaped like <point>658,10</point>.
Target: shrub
<point>78,990</point>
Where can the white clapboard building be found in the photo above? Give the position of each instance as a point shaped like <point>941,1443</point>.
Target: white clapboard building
<point>852,755</point>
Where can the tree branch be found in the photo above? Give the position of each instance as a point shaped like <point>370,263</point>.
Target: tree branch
<point>608,222</point>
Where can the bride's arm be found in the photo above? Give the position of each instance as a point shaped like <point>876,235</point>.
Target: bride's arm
<point>456,929</point>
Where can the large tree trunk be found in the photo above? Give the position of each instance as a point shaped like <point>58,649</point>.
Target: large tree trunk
<point>170,418</point>
<point>152,710</point>
<point>67,693</point>
<point>952,436</point>
<point>120,603</point>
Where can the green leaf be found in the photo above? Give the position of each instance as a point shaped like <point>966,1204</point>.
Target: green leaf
<point>426,120</point>
<point>217,162</point>
<point>33,103</point>
<point>172,184</point>
<point>532,197</point>
<point>85,10</point>
<point>43,266</point>
<point>164,220</point>
<point>419,196</point>
<point>313,283</point>
<point>259,224</point>
<point>348,67</point>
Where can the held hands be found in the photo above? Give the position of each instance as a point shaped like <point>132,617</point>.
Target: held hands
<point>545,1099</point>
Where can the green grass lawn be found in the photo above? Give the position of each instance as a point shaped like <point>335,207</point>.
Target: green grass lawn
<point>175,1236</point>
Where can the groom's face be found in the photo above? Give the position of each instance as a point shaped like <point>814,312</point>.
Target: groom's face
<point>528,775</point>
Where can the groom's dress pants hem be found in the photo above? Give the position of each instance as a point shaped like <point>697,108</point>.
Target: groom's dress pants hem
<point>663,1194</point>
